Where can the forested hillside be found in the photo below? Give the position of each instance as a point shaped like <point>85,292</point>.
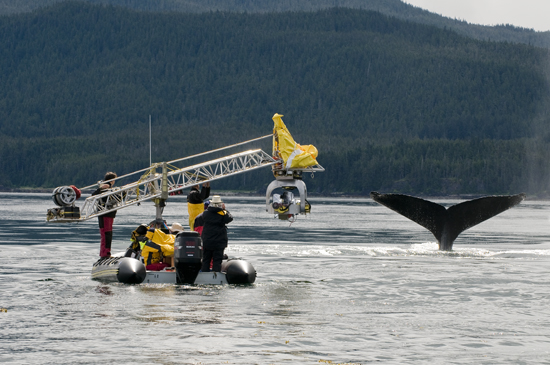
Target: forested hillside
<point>391,105</point>
<point>395,8</point>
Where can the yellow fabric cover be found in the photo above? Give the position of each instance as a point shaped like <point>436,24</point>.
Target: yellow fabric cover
<point>163,239</point>
<point>194,210</point>
<point>161,245</point>
<point>293,155</point>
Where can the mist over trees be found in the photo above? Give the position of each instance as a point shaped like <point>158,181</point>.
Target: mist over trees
<point>391,105</point>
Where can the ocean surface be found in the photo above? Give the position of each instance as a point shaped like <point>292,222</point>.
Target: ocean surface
<point>351,283</point>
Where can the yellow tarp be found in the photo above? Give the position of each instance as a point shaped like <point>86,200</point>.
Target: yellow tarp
<point>164,240</point>
<point>293,155</point>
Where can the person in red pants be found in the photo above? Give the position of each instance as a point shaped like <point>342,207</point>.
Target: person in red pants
<point>106,220</point>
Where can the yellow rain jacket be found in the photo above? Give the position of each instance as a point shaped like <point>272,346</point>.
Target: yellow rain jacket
<point>137,241</point>
<point>194,210</point>
<point>293,155</point>
<point>160,245</point>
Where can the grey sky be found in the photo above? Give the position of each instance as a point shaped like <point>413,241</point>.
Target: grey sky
<point>533,14</point>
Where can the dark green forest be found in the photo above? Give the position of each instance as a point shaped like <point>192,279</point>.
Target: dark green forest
<point>391,105</point>
<point>394,8</point>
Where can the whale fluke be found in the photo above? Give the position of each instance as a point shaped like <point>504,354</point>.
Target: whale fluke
<point>447,224</point>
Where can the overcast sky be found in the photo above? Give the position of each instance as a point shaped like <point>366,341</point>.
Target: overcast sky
<point>534,14</point>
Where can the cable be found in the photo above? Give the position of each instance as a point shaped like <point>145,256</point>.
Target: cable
<point>221,149</point>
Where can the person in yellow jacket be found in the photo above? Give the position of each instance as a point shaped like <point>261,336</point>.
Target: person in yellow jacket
<point>159,246</point>
<point>195,202</point>
<point>137,241</point>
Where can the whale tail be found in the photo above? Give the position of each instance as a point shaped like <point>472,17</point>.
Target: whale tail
<point>446,224</point>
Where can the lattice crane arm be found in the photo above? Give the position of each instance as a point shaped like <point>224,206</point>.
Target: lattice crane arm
<point>153,185</point>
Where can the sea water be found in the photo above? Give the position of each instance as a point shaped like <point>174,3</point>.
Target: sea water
<point>351,283</point>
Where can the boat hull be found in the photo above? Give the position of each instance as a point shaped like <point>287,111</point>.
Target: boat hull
<point>129,270</point>
<point>119,269</point>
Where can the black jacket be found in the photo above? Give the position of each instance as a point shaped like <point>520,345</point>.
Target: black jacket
<point>214,233</point>
<point>102,202</point>
<point>197,197</point>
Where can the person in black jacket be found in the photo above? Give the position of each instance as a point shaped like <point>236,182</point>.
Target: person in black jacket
<point>106,220</point>
<point>214,234</point>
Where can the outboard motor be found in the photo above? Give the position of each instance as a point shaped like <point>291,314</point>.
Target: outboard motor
<point>187,256</point>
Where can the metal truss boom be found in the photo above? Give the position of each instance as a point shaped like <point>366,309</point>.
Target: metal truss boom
<point>153,185</point>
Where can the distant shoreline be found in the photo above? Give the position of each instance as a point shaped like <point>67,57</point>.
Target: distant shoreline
<point>310,194</point>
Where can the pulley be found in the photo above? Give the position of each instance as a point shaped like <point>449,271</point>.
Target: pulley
<point>65,195</point>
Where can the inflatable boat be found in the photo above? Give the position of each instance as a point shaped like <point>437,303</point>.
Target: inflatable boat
<point>187,261</point>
